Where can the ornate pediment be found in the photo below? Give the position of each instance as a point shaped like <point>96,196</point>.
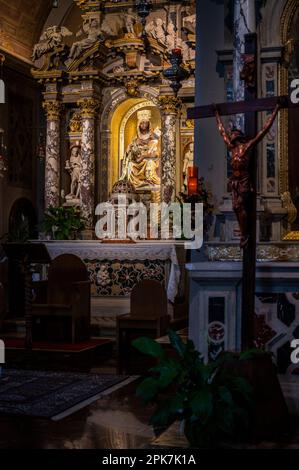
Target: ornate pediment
<point>113,46</point>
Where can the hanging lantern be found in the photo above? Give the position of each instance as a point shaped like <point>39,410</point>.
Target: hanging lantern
<point>143,8</point>
<point>176,73</point>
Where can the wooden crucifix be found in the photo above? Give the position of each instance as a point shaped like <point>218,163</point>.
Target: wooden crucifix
<point>244,165</point>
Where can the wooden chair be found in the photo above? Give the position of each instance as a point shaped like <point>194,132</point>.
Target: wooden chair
<point>63,302</point>
<point>148,316</point>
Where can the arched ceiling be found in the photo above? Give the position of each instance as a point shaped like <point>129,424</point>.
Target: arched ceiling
<point>21,23</point>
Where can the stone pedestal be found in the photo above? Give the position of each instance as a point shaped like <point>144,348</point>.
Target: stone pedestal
<point>215,305</point>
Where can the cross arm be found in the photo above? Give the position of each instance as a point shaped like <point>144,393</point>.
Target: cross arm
<point>239,107</point>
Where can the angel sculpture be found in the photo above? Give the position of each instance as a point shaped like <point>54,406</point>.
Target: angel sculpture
<point>51,39</point>
<point>130,20</point>
<point>93,31</point>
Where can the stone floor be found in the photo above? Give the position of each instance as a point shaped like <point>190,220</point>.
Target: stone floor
<point>116,421</point>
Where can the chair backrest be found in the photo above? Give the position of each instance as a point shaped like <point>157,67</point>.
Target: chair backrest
<point>63,272</point>
<point>148,299</point>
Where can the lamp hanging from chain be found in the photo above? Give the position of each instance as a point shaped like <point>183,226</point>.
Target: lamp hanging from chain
<point>176,73</point>
<point>143,8</point>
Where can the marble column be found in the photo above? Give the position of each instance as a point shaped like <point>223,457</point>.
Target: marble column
<point>244,23</point>
<point>89,108</point>
<point>52,163</point>
<point>170,107</point>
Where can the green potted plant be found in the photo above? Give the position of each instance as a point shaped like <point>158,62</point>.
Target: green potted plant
<point>62,223</point>
<point>212,402</point>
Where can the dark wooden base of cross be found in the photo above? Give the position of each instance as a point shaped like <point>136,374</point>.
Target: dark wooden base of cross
<point>249,252</point>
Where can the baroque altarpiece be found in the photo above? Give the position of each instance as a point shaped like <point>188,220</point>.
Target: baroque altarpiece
<point>111,114</point>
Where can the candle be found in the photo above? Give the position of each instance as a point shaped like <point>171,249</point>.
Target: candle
<point>193,172</point>
<point>192,180</point>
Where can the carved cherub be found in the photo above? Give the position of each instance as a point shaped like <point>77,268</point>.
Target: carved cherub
<point>51,39</point>
<point>130,21</point>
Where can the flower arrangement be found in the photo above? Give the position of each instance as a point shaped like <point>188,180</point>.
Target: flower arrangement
<point>62,223</point>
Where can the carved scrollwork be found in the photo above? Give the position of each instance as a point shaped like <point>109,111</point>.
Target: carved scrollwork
<point>52,109</point>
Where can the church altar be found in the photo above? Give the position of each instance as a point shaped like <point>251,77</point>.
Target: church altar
<point>113,264</point>
<point>115,268</point>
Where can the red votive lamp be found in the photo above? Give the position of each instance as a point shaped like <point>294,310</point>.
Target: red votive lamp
<point>192,180</point>
<point>177,51</point>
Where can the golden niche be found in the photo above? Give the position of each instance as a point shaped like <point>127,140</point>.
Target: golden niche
<point>140,164</point>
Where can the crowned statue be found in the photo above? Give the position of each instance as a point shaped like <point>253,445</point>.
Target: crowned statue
<point>142,158</point>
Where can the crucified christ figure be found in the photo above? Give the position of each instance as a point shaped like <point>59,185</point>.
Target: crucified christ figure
<point>240,183</point>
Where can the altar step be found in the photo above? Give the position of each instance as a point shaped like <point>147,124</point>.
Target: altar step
<point>104,311</point>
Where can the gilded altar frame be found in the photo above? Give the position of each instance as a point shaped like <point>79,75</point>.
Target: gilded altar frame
<point>283,86</point>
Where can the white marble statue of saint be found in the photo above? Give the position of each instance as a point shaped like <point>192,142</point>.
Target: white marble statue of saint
<point>142,158</point>
<point>187,163</point>
<point>74,167</point>
<point>93,31</point>
<point>51,39</point>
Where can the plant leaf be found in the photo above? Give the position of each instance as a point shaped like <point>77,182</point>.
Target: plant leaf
<point>201,403</point>
<point>226,421</point>
<point>251,354</point>
<point>167,371</point>
<point>167,411</point>
<point>177,342</point>
<point>148,389</point>
<point>225,395</point>
<point>149,346</point>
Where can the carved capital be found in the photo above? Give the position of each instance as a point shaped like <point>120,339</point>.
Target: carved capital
<point>89,107</point>
<point>170,104</point>
<point>52,110</point>
<point>132,87</point>
<point>75,125</point>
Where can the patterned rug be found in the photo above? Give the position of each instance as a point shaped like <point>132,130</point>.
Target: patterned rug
<point>52,394</point>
